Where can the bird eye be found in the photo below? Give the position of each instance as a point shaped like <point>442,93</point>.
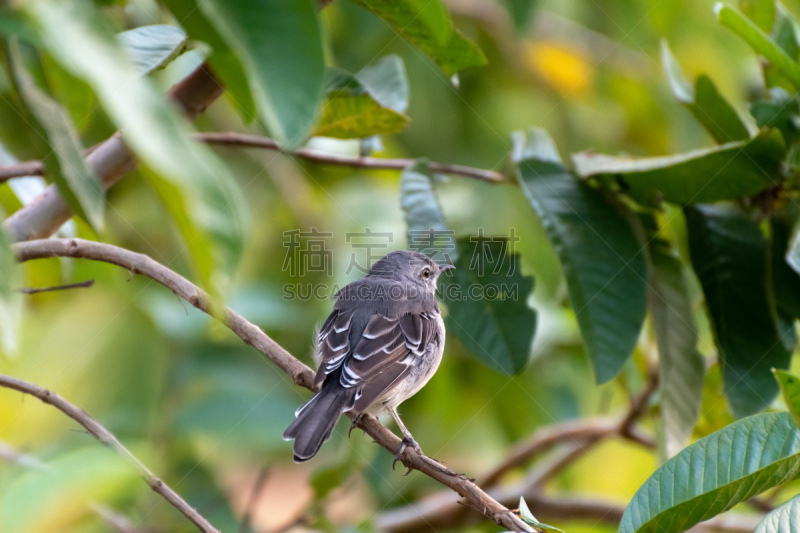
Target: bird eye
<point>426,272</point>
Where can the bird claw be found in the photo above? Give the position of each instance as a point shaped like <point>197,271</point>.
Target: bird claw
<point>356,420</point>
<point>406,442</point>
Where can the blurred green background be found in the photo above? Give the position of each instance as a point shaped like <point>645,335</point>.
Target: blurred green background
<point>206,412</point>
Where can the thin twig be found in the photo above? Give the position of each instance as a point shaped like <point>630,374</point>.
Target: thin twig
<point>258,488</point>
<point>116,521</point>
<point>14,456</point>
<point>301,374</point>
<point>110,441</point>
<point>81,285</point>
<point>256,141</point>
<point>376,163</point>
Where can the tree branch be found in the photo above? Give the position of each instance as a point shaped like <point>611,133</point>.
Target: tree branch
<point>233,139</point>
<point>302,375</point>
<point>110,441</point>
<point>110,161</point>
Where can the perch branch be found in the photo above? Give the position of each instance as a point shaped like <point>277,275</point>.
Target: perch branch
<point>302,375</point>
<point>244,140</point>
<point>110,441</point>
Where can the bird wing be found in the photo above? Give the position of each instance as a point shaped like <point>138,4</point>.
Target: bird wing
<point>333,342</point>
<point>385,353</point>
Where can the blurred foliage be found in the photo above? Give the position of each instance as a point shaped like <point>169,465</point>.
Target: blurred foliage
<point>622,278</point>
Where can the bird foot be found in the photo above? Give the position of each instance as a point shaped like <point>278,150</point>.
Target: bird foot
<point>356,420</point>
<point>405,443</point>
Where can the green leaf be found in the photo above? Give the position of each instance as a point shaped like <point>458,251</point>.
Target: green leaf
<point>487,304</point>
<point>780,111</point>
<point>78,37</point>
<point>790,391</point>
<point>715,473</point>
<point>427,229</point>
<point>601,259</point>
<point>704,101</point>
<point>681,366</point>
<point>520,12</point>
<point>279,45</point>
<point>730,256</point>
<point>427,24</point>
<point>527,517</point>
<point>761,12</point>
<point>222,59</point>
<point>785,281</point>
<point>725,172</point>
<point>746,29</point>
<point>76,181</point>
<point>784,519</point>
<point>370,103</point>
<point>152,47</point>
<point>10,298</point>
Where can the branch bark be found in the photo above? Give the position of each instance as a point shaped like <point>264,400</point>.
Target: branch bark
<point>110,161</point>
<point>301,374</point>
<point>110,441</point>
<point>244,140</point>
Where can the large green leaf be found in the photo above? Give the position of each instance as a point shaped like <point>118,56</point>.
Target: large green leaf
<point>10,297</point>
<point>602,261</point>
<point>704,101</point>
<point>487,304</point>
<point>78,37</point>
<point>730,256</point>
<point>725,172</point>
<point>427,24</point>
<point>279,45</point>
<point>371,102</point>
<point>152,47</point>
<point>681,366</point>
<point>427,228</point>
<point>733,19</point>
<point>63,155</point>
<point>784,519</point>
<point>222,59</point>
<point>715,473</point>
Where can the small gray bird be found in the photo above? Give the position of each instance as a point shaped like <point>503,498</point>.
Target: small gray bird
<point>380,346</point>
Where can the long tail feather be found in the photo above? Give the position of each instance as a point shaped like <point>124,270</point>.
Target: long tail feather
<point>315,421</point>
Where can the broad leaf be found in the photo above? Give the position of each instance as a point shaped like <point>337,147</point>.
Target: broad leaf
<point>681,366</point>
<point>601,259</point>
<point>427,24</point>
<point>761,12</point>
<point>222,59</point>
<point>370,103</point>
<point>704,101</point>
<point>279,45</point>
<point>729,255</point>
<point>76,182</point>
<point>487,304</point>
<point>427,229</point>
<point>780,111</point>
<point>784,519</point>
<point>79,39</point>
<point>745,28</point>
<point>152,47</point>
<point>715,473</point>
<point>725,172</point>
<point>10,298</point>
<point>790,391</point>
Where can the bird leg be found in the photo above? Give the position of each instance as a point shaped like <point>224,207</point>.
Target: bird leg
<point>356,420</point>
<point>408,440</point>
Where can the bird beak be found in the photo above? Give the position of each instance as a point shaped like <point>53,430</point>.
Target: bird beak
<point>446,267</point>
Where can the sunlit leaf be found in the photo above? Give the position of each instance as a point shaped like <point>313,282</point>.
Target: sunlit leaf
<point>729,255</point>
<point>152,47</point>
<point>63,159</point>
<point>427,24</point>
<point>278,43</point>
<point>715,473</point>
<point>704,101</point>
<point>486,299</point>
<point>599,254</point>
<point>761,12</point>
<point>222,59</point>
<point>681,366</point>
<point>745,28</point>
<point>784,519</point>
<point>725,172</point>
<point>77,36</point>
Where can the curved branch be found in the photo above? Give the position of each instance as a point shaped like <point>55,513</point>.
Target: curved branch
<point>110,441</point>
<point>302,375</point>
